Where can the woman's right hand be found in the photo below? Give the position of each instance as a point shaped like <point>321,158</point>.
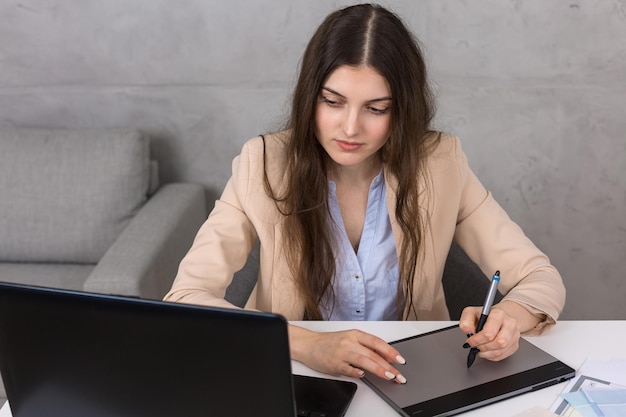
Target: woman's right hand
<point>347,353</point>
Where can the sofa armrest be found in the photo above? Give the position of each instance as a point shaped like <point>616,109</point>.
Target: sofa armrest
<point>144,259</point>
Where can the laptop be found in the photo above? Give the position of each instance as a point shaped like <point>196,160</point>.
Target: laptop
<point>74,354</point>
<point>440,384</point>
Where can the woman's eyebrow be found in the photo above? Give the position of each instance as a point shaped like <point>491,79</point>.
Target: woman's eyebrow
<point>330,90</point>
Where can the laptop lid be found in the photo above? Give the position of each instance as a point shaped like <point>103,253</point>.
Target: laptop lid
<point>70,354</point>
<point>439,382</point>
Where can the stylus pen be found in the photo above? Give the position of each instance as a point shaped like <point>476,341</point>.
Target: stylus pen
<point>484,314</point>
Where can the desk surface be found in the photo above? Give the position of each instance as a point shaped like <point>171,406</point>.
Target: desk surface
<point>570,341</point>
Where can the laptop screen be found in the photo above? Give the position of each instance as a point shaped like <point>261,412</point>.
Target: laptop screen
<point>72,354</point>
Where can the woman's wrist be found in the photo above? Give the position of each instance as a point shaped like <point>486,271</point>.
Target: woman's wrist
<point>297,345</point>
<point>525,319</point>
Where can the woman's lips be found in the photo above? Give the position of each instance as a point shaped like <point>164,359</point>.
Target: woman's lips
<point>348,146</point>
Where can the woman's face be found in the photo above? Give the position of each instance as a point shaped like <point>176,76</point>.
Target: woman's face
<point>353,116</point>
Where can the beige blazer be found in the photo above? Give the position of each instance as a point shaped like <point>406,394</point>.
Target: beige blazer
<point>458,208</point>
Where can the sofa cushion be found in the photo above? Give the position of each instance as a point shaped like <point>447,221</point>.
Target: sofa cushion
<point>67,194</point>
<point>66,276</point>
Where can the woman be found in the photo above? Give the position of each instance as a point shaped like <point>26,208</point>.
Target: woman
<point>355,206</point>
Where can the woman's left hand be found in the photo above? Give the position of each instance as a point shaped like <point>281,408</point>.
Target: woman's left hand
<point>500,335</point>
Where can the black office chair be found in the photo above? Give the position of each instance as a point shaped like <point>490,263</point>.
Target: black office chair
<point>464,284</point>
<point>243,283</point>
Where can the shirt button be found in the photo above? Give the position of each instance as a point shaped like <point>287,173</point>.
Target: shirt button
<point>358,311</point>
<point>357,276</point>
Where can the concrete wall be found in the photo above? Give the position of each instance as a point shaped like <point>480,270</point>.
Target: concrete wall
<point>536,90</point>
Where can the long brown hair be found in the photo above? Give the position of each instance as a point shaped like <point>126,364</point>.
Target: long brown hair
<point>357,35</point>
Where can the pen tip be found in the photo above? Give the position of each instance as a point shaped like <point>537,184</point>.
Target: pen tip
<point>470,358</point>
<point>497,273</point>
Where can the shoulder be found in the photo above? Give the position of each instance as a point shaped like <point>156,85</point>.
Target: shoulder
<point>445,154</point>
<point>271,142</point>
<point>263,155</point>
<point>265,148</point>
<point>442,144</point>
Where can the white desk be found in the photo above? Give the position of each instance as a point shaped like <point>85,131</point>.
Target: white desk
<point>570,341</point>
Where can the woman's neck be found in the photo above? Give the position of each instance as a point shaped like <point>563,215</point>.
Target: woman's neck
<point>362,173</point>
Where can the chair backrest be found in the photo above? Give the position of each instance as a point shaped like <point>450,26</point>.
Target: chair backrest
<point>245,279</point>
<point>464,284</point>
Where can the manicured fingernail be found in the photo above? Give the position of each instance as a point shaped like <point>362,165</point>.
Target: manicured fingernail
<point>401,379</point>
<point>400,360</point>
<point>466,345</point>
<point>469,335</point>
<point>389,375</point>
<point>361,372</point>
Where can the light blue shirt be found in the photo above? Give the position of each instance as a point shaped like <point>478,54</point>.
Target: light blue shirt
<point>366,284</point>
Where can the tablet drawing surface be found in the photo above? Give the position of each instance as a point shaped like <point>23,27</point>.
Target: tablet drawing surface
<point>439,382</point>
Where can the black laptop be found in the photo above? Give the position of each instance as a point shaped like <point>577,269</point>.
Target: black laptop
<point>74,354</point>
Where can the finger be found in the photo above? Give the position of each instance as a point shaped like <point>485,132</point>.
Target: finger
<point>366,358</point>
<point>348,370</point>
<point>504,344</point>
<point>499,354</point>
<point>375,364</point>
<point>384,370</point>
<point>492,328</point>
<point>382,348</point>
<point>469,319</point>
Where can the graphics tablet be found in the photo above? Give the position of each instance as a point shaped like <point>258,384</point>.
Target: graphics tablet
<point>440,384</point>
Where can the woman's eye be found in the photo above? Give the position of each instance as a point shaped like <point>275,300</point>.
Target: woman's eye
<point>377,110</point>
<point>330,102</point>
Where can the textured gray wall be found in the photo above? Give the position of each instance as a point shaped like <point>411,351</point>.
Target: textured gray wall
<point>535,89</point>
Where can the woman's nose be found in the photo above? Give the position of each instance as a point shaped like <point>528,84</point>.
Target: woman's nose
<point>351,123</point>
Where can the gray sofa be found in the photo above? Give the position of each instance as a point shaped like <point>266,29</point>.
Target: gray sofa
<point>81,209</point>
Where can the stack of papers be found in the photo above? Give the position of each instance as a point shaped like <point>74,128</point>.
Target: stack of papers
<point>598,390</point>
